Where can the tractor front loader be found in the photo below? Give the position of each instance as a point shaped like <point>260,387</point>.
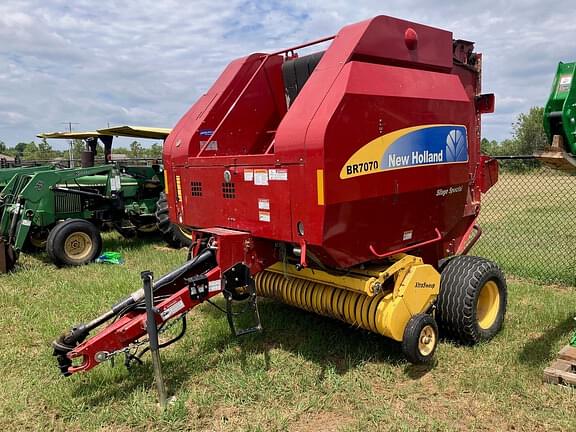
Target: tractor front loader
<point>346,182</point>
<point>65,210</point>
<point>6,174</point>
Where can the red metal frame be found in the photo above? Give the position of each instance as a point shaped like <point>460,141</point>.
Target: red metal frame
<point>132,327</point>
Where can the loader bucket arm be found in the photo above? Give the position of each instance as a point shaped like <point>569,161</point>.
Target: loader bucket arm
<point>29,198</point>
<point>26,194</point>
<point>6,174</point>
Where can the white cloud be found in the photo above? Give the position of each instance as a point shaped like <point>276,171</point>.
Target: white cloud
<point>146,61</point>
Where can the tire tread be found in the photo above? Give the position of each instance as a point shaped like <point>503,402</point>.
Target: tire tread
<point>462,279</point>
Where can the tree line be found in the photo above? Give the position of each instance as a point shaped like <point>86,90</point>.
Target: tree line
<point>43,150</point>
<point>527,137</point>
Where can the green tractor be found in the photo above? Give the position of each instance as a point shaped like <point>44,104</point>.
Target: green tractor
<point>65,210</point>
<point>560,120</point>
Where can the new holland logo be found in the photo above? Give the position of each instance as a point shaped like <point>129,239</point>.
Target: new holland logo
<point>410,147</point>
<point>456,146</point>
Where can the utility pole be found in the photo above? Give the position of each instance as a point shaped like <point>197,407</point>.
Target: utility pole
<point>70,144</point>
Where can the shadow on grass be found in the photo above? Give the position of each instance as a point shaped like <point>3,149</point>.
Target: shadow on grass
<point>332,345</point>
<point>131,244</point>
<point>537,351</point>
<point>109,242</point>
<point>329,343</point>
<point>101,392</point>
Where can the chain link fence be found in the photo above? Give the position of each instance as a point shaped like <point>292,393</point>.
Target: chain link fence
<point>528,221</point>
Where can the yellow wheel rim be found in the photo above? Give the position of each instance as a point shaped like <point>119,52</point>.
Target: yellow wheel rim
<point>427,340</point>
<point>488,305</point>
<point>78,246</point>
<point>185,232</point>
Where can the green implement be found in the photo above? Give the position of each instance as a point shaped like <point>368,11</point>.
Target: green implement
<point>560,110</point>
<point>7,173</point>
<point>65,210</point>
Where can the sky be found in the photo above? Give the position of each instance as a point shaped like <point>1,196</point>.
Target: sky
<point>146,62</point>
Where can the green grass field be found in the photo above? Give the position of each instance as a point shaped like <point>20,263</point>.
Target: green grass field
<point>304,373</point>
<point>528,222</point>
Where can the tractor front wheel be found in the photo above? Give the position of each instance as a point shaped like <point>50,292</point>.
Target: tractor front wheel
<point>74,242</point>
<point>472,301</point>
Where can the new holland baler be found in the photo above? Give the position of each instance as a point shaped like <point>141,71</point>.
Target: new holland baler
<point>346,182</point>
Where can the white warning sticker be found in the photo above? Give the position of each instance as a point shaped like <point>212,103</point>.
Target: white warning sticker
<point>215,285</point>
<point>264,216</point>
<point>263,204</point>
<point>212,146</point>
<point>172,310</point>
<point>248,174</point>
<point>407,235</point>
<point>564,84</point>
<point>278,174</point>
<point>261,177</point>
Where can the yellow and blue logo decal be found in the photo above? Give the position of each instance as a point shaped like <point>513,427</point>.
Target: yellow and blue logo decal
<point>409,147</point>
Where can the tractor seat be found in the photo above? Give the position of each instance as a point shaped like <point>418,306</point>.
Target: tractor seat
<point>296,72</point>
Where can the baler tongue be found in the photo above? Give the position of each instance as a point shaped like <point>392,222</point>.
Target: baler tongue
<point>7,256</point>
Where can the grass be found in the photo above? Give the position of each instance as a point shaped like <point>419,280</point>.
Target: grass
<point>528,223</point>
<point>304,373</point>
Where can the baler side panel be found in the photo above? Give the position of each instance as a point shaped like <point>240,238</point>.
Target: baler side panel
<point>368,83</point>
<point>247,202</point>
<point>248,128</point>
<point>365,102</point>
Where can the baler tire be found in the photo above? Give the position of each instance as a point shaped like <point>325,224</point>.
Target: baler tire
<point>420,339</point>
<point>463,280</point>
<point>59,250</point>
<point>172,233</point>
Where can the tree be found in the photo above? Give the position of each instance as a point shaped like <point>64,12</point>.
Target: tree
<point>20,148</point>
<point>528,132</point>
<point>489,147</point>
<point>3,147</point>
<point>155,151</point>
<point>45,151</point>
<point>136,149</point>
<point>30,151</point>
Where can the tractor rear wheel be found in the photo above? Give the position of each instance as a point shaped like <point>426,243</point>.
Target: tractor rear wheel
<point>74,242</point>
<point>472,301</point>
<point>420,339</point>
<point>175,235</point>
